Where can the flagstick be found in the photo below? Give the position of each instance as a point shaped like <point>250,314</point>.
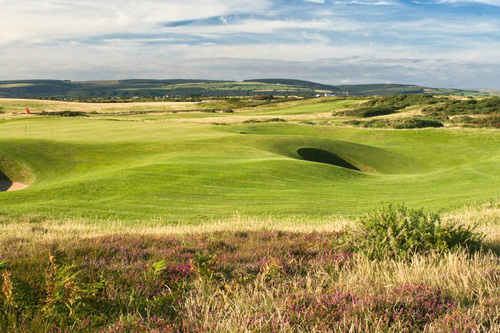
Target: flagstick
<point>26,119</point>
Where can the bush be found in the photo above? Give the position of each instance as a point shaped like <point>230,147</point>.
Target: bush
<point>65,113</point>
<point>488,121</point>
<point>385,105</point>
<point>368,111</point>
<point>404,123</point>
<point>416,123</point>
<point>490,106</point>
<point>401,232</point>
<point>271,120</point>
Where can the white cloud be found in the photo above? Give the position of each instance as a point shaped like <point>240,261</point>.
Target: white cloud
<point>485,2</point>
<point>269,26</point>
<point>364,2</point>
<point>35,21</point>
<point>443,27</point>
<point>124,38</point>
<point>312,61</point>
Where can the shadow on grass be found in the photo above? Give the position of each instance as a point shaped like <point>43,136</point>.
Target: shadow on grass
<point>493,247</point>
<point>323,156</point>
<point>5,182</point>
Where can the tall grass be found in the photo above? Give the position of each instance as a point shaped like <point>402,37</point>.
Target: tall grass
<point>239,275</point>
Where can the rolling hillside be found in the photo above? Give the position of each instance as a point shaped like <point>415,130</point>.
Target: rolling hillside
<point>188,172</point>
<point>59,89</point>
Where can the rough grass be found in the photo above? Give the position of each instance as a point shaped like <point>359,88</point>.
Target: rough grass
<point>238,276</point>
<point>38,106</point>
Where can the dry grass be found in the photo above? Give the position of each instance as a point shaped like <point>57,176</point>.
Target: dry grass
<point>18,106</point>
<point>485,216</point>
<point>38,229</point>
<point>261,305</point>
<point>278,281</point>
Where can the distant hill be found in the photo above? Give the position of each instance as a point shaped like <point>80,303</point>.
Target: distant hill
<point>299,83</point>
<point>61,89</point>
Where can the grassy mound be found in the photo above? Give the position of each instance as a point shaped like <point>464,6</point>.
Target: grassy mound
<point>11,170</point>
<point>187,173</point>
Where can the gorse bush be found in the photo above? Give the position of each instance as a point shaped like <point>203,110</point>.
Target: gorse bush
<point>416,123</point>
<point>403,123</point>
<point>401,101</point>
<point>486,121</point>
<point>65,113</point>
<point>397,231</point>
<point>367,112</point>
<point>384,105</point>
<point>489,106</point>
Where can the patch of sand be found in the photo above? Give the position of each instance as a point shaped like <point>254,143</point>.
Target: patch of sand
<point>13,186</point>
<point>401,114</point>
<point>241,118</point>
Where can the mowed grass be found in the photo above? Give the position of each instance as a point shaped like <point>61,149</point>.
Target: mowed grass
<point>190,173</point>
<point>305,107</point>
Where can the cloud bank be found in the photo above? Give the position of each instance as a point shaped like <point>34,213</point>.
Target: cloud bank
<point>450,43</point>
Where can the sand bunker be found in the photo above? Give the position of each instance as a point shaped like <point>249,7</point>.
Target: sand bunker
<point>7,185</point>
<point>20,176</point>
<point>323,156</point>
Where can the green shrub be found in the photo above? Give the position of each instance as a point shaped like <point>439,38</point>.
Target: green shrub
<point>404,123</point>
<point>65,113</point>
<point>487,121</point>
<point>416,123</point>
<point>401,232</point>
<point>367,112</point>
<point>489,106</point>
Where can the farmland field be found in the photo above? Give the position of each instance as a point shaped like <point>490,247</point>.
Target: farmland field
<point>158,211</point>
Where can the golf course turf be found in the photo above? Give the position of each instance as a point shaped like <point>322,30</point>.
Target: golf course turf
<point>188,172</point>
<point>264,219</point>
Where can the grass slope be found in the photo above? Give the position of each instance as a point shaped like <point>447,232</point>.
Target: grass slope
<point>153,224</point>
<point>184,172</point>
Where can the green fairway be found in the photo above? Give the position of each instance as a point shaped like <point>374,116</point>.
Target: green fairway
<point>188,173</point>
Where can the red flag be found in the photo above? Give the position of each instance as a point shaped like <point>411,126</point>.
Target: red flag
<point>27,111</point>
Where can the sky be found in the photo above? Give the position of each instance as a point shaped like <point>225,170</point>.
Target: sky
<point>435,43</point>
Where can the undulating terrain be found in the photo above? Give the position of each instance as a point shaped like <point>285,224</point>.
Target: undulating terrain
<point>250,214</point>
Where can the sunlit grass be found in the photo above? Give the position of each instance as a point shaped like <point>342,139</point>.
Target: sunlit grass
<point>238,275</point>
<point>154,225</point>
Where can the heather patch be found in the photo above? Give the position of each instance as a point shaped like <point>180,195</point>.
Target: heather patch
<point>265,281</point>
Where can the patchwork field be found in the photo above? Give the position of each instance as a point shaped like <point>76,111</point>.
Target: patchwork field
<point>141,217</point>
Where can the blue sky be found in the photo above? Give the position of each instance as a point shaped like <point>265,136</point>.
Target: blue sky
<point>439,43</point>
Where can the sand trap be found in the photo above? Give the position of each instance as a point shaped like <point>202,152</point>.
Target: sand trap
<point>323,156</point>
<point>11,186</point>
